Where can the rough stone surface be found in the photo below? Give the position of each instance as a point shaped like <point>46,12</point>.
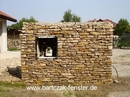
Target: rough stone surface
<point>13,39</point>
<point>84,51</point>
<point>14,43</point>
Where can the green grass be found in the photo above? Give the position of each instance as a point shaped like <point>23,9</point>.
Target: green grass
<point>2,95</point>
<point>9,84</point>
<point>13,49</point>
<point>1,89</point>
<point>68,94</point>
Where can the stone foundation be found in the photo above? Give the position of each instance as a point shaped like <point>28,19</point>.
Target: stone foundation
<point>84,53</point>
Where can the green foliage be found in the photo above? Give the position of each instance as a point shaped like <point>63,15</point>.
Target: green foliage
<point>122,27</point>
<point>124,40</point>
<point>69,17</point>
<point>75,18</point>
<point>19,24</point>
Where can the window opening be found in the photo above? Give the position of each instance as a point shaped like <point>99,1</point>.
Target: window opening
<point>47,47</point>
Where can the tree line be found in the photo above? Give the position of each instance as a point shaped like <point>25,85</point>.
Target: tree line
<point>67,17</point>
<point>123,26</point>
<point>19,24</point>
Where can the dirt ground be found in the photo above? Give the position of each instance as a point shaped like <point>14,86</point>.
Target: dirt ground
<point>119,88</point>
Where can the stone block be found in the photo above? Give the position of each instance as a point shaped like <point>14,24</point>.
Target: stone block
<point>31,39</point>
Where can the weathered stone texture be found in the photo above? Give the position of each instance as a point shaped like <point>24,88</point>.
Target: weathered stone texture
<point>13,43</point>
<point>84,51</point>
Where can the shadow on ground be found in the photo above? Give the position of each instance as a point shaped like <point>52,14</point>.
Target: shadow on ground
<point>16,72</point>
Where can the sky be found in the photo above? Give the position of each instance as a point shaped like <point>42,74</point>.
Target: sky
<point>53,10</point>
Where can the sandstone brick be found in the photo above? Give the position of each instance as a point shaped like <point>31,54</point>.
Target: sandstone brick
<point>83,53</point>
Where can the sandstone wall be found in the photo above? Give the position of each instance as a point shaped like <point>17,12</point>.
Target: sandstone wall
<point>13,38</point>
<point>14,43</point>
<point>84,51</point>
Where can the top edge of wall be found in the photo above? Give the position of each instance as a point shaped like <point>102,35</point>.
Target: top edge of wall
<point>68,23</point>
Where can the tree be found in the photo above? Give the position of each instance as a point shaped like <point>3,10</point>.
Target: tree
<point>122,27</point>
<point>69,17</point>
<point>19,24</point>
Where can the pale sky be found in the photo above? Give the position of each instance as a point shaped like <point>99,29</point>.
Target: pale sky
<point>53,10</point>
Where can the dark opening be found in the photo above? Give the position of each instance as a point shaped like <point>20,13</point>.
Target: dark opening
<point>47,47</point>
